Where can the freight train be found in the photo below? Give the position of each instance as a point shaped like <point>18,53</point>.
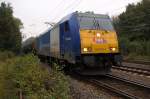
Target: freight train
<point>85,42</point>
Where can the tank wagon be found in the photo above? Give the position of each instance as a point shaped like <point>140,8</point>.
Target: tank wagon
<point>87,41</point>
<point>29,45</point>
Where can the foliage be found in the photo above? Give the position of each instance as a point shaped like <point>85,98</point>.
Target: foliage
<point>133,27</point>
<point>10,35</point>
<point>4,55</point>
<point>24,75</point>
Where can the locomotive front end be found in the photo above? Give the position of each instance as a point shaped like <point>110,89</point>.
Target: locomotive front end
<point>99,43</point>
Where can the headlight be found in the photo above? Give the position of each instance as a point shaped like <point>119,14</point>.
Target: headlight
<point>85,49</point>
<point>98,35</point>
<point>113,49</point>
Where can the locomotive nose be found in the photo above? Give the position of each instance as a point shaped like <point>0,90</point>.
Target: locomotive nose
<point>98,41</point>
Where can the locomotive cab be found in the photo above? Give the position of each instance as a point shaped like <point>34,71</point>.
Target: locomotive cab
<point>99,43</point>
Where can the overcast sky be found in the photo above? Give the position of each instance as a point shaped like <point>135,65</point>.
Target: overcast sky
<point>34,13</point>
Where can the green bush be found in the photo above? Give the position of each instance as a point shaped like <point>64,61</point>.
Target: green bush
<point>124,44</point>
<point>148,48</point>
<point>134,47</point>
<point>4,55</point>
<point>25,76</point>
<point>138,48</point>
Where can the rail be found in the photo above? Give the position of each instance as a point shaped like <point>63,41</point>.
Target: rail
<point>113,89</point>
<point>128,81</point>
<point>142,71</point>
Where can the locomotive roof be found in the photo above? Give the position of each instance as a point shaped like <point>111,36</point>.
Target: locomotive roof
<point>89,14</point>
<point>86,14</point>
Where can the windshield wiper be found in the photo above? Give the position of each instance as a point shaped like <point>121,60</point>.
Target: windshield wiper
<point>100,27</point>
<point>96,24</point>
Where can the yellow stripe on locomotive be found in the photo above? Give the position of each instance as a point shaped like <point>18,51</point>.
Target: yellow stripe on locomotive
<point>98,41</point>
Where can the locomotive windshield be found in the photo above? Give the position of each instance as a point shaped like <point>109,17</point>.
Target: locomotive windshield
<point>100,22</point>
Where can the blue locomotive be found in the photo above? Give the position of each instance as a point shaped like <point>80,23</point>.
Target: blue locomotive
<point>86,42</point>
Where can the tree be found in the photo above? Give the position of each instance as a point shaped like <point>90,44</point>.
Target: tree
<point>10,35</point>
<point>134,22</point>
<point>133,27</point>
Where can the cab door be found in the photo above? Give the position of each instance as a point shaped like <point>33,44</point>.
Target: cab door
<point>66,40</point>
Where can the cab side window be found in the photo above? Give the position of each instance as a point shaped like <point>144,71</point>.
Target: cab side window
<point>66,26</point>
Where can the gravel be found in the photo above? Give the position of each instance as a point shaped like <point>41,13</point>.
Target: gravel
<point>83,90</point>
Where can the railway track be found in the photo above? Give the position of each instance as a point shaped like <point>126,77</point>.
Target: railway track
<point>123,87</point>
<point>128,81</point>
<point>141,71</point>
<point>120,86</point>
<point>113,89</point>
